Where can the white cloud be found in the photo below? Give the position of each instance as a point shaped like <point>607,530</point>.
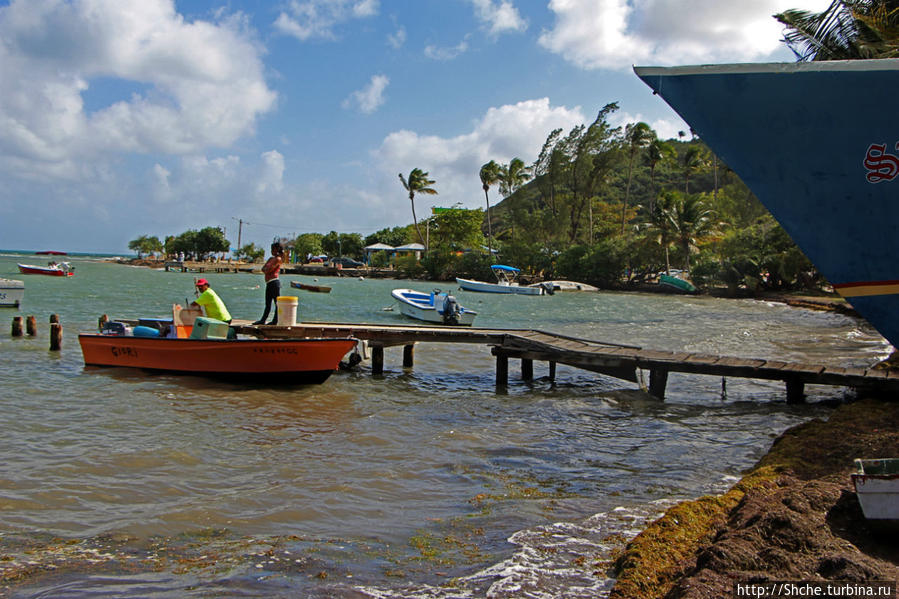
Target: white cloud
<point>369,98</point>
<point>316,19</point>
<point>193,85</point>
<point>397,39</point>
<point>438,53</point>
<point>272,176</point>
<point>615,34</point>
<point>499,17</point>
<point>501,134</point>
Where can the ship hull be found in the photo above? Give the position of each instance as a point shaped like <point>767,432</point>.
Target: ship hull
<point>818,144</point>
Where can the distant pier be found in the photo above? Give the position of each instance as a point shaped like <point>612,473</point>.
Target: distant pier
<point>619,361</point>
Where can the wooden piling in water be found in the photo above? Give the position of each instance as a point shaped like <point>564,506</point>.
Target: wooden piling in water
<point>658,380</point>
<point>16,326</point>
<point>527,369</point>
<point>54,318</point>
<point>552,370</point>
<point>30,326</point>
<point>55,336</point>
<point>502,370</point>
<point>408,355</point>
<point>377,359</point>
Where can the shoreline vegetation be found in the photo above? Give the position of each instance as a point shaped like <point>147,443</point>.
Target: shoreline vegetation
<point>793,516</point>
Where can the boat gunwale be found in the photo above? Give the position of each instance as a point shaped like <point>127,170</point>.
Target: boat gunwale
<point>785,68</point>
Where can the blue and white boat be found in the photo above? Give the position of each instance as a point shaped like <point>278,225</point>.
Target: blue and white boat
<point>507,282</point>
<point>437,306</point>
<point>818,144</point>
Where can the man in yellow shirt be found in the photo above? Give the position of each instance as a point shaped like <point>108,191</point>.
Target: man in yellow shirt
<point>211,302</point>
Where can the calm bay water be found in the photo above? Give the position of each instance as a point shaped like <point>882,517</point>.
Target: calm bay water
<point>420,483</point>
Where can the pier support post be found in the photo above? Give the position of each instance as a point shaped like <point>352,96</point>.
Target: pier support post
<point>16,326</point>
<point>658,380</point>
<point>795,391</point>
<point>502,370</point>
<point>377,359</point>
<point>408,355</point>
<point>54,318</point>
<point>527,369</point>
<point>55,336</point>
<point>30,326</point>
<point>552,371</point>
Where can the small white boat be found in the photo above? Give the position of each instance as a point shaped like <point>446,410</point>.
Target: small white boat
<point>437,307</point>
<point>565,286</point>
<point>507,282</point>
<point>877,487</point>
<point>12,292</point>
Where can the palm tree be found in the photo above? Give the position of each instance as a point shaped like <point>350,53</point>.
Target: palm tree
<point>489,176</point>
<point>690,221</point>
<point>662,222</point>
<point>657,152</point>
<point>691,161</point>
<point>418,182</point>
<point>511,177</point>
<point>846,30</point>
<point>636,136</point>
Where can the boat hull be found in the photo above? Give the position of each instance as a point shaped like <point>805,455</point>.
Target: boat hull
<point>12,293</point>
<point>27,269</point>
<point>421,306</point>
<point>877,488</point>
<point>676,284</point>
<point>313,288</point>
<point>484,287</point>
<point>817,144</point>
<point>291,360</point>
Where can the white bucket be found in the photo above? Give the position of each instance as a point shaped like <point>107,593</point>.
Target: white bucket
<point>287,310</point>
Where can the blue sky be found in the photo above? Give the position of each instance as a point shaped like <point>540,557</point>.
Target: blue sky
<point>119,119</point>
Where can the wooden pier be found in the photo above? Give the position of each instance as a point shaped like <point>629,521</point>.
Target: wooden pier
<point>620,361</point>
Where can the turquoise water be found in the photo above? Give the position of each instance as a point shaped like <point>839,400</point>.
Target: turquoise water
<point>422,482</point>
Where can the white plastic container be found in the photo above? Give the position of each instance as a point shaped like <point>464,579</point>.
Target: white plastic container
<point>287,310</point>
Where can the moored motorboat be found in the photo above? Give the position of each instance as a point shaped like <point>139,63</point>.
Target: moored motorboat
<point>565,286</point>
<point>675,283</point>
<point>437,307</point>
<point>507,282</point>
<point>815,144</point>
<point>62,269</point>
<point>313,288</point>
<point>301,360</point>
<point>12,292</point>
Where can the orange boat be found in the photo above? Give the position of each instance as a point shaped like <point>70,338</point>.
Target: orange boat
<point>308,360</point>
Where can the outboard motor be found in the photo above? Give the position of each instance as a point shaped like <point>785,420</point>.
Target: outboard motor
<point>548,287</point>
<point>451,310</point>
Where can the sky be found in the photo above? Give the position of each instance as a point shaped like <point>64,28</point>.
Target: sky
<point>274,118</point>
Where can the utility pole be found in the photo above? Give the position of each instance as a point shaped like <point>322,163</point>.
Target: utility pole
<point>239,231</point>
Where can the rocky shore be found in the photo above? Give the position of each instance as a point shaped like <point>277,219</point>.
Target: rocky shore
<point>793,517</point>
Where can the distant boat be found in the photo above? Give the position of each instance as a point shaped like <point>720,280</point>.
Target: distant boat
<point>51,253</point>
<point>676,283</point>
<point>12,292</point>
<point>437,307</point>
<point>565,286</point>
<point>63,269</point>
<point>817,144</point>
<point>507,282</point>
<point>313,288</point>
